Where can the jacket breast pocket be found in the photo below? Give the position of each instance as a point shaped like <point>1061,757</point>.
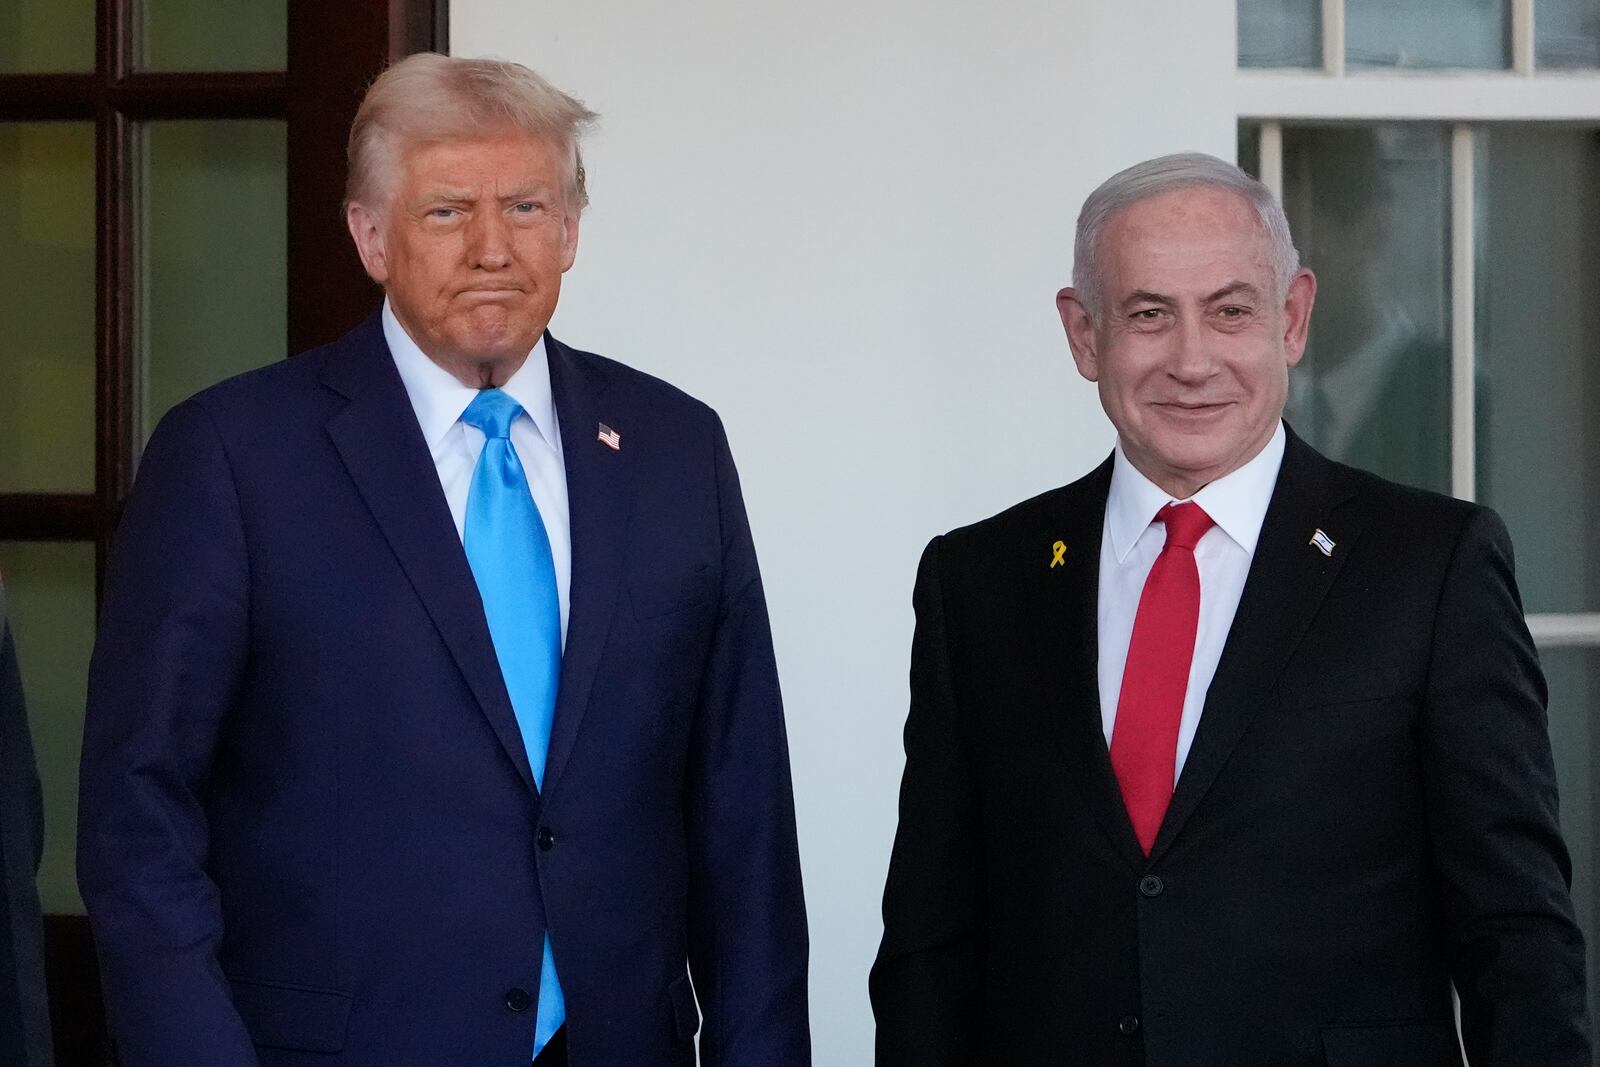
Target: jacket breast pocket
<point>1392,1045</point>
<point>298,1018</point>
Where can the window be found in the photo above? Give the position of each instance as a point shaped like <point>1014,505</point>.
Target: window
<point>1440,165</point>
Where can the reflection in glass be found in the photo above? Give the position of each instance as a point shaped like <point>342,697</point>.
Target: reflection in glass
<point>50,602</point>
<point>46,36</point>
<point>46,307</point>
<point>1280,33</point>
<point>1566,34</point>
<point>213,267</point>
<point>1538,342</point>
<point>1370,212</point>
<point>1428,34</point>
<point>213,34</point>
<point>1574,678</point>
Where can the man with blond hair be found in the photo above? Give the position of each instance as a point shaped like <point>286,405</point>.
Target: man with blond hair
<point>1225,754</point>
<point>434,717</point>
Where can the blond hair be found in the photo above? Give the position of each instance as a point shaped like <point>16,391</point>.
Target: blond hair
<point>428,98</point>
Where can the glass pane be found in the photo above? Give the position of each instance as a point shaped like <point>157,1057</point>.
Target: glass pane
<point>1428,34</point>
<point>1280,33</point>
<point>1574,677</point>
<point>1538,343</point>
<point>47,307</point>
<point>1566,34</point>
<point>1370,212</point>
<point>1250,149</point>
<point>213,34</point>
<point>50,602</point>
<point>40,36</point>
<point>213,256</point>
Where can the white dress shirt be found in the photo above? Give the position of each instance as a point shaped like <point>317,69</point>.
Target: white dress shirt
<point>1129,544</point>
<point>439,399</point>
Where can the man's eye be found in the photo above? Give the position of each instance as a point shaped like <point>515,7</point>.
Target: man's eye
<point>1146,315</point>
<point>527,207</point>
<point>443,213</point>
<point>1234,312</point>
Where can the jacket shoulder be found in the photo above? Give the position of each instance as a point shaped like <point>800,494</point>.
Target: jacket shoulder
<point>643,394</point>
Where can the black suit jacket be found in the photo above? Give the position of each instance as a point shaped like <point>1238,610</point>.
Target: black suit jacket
<point>24,1024</point>
<point>1368,811</point>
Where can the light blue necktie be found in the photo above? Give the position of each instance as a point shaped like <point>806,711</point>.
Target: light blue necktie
<point>509,553</point>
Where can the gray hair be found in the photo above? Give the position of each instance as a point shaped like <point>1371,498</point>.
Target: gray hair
<point>1181,170</point>
<point>428,98</point>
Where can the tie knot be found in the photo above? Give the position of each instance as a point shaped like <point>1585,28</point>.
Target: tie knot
<point>1186,524</point>
<point>492,411</point>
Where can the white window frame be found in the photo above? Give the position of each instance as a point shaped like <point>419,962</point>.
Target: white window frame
<point>1272,98</point>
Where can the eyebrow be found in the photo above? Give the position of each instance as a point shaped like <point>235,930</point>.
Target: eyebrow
<point>452,196</point>
<point>1145,296</point>
<point>1233,289</point>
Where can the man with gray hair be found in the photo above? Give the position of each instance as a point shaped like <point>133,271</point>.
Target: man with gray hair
<point>1225,754</point>
<point>434,717</point>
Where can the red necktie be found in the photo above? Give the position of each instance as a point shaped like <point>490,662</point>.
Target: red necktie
<point>1144,740</point>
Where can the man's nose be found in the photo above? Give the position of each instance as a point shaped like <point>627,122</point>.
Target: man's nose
<point>1192,358</point>
<point>489,241</point>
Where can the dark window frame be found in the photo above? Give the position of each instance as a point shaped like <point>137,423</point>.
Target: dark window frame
<point>334,52</point>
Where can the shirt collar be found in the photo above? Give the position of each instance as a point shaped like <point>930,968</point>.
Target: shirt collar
<point>439,398</point>
<point>1237,502</point>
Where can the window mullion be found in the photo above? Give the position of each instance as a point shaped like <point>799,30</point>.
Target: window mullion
<point>1463,339</point>
<point>1333,37</point>
<point>1522,37</point>
<point>1271,162</point>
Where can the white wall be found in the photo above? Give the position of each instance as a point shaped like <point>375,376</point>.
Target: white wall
<point>843,223</point>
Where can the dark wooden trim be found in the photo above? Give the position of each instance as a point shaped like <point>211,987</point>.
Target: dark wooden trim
<point>335,50</point>
<point>54,97</point>
<point>116,289</point>
<point>44,97</point>
<point>49,517</point>
<point>149,95</point>
<point>72,976</point>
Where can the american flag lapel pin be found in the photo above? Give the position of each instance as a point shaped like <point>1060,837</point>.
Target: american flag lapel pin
<point>610,438</point>
<point>1323,542</point>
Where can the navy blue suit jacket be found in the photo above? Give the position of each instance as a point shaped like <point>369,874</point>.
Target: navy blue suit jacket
<point>308,829</point>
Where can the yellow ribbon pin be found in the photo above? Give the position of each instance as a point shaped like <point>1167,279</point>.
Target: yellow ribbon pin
<point>1060,554</point>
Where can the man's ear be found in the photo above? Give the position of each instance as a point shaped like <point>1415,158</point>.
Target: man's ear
<point>367,233</point>
<point>1080,333</point>
<point>1297,314</point>
<point>569,243</point>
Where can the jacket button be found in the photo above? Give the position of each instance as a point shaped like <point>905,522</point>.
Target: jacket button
<point>545,838</point>
<point>1151,886</point>
<point>1129,1025</point>
<point>518,999</point>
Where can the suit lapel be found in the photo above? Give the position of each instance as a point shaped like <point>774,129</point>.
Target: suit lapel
<point>382,446</point>
<point>599,499</point>
<point>1066,608</point>
<point>1286,583</point>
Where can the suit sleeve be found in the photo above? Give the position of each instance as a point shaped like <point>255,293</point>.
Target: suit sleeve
<point>748,945</point>
<point>1518,956</point>
<point>165,672</point>
<point>925,984</point>
<point>24,1016</point>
